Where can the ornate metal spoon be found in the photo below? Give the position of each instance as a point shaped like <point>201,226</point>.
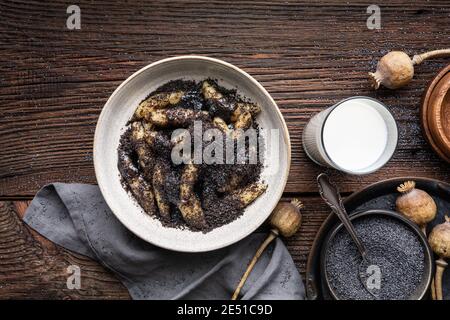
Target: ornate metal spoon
<point>369,273</point>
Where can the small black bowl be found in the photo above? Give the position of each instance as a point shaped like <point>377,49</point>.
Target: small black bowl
<point>421,290</point>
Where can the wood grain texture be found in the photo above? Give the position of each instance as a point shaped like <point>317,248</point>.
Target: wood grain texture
<point>31,267</point>
<point>308,55</point>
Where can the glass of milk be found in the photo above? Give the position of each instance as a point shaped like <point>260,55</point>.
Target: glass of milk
<point>357,135</point>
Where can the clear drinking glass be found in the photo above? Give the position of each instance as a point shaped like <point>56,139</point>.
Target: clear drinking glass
<point>331,138</point>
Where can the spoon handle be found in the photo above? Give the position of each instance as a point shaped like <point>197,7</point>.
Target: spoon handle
<point>330,194</point>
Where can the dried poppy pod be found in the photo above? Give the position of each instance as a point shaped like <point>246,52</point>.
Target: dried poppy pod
<point>439,240</point>
<point>286,219</point>
<point>416,204</point>
<point>396,69</point>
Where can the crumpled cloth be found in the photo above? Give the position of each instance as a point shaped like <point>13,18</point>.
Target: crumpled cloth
<point>76,217</point>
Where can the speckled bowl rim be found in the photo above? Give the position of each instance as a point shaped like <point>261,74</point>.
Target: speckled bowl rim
<point>285,134</point>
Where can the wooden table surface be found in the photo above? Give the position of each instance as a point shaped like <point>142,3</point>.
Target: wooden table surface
<point>308,55</point>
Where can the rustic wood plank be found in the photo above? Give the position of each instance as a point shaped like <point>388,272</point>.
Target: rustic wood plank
<point>33,267</point>
<point>54,82</point>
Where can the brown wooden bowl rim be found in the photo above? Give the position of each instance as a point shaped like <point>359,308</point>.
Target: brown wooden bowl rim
<point>434,113</point>
<point>424,112</point>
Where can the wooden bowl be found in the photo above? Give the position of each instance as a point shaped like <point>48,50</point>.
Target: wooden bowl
<point>435,114</point>
<point>439,114</point>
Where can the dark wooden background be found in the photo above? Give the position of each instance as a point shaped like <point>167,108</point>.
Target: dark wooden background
<point>308,55</point>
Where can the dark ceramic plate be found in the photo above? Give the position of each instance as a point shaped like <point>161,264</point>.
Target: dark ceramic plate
<point>381,195</point>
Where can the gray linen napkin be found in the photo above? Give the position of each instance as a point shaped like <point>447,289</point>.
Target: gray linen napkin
<point>76,217</point>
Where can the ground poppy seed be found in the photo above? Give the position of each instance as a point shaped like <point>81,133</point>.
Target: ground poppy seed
<point>392,246</point>
<point>218,207</point>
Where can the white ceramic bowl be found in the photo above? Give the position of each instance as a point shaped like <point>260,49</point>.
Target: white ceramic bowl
<point>119,109</point>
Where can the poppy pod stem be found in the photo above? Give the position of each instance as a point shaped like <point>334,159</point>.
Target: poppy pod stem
<point>396,69</point>
<point>286,219</point>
